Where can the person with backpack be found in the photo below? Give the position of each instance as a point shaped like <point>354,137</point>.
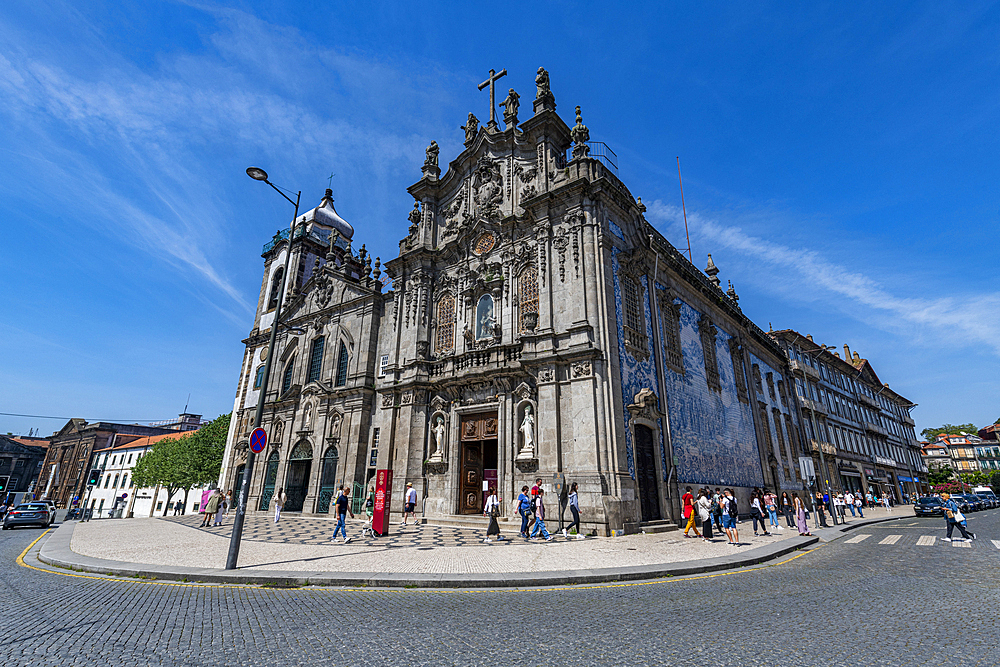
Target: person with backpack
<point>730,513</point>
<point>540,517</point>
<point>524,509</point>
<point>717,509</point>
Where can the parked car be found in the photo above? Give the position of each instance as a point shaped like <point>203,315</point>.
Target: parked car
<point>28,514</point>
<point>929,506</point>
<point>967,502</point>
<point>987,496</point>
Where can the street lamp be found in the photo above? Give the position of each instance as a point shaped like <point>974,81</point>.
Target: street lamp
<point>822,458</point>
<point>259,174</point>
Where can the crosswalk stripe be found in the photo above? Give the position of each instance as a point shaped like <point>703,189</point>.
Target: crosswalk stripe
<point>996,543</point>
<point>890,539</point>
<point>926,541</point>
<point>967,545</point>
<point>858,538</point>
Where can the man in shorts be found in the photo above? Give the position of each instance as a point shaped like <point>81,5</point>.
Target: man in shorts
<point>729,516</point>
<point>409,504</point>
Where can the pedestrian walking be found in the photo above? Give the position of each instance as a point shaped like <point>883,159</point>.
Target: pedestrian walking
<point>730,513</point>
<point>788,509</point>
<point>858,502</point>
<point>757,514</point>
<point>177,508</point>
<point>492,510</point>
<point>885,503</point>
<point>954,517</point>
<point>524,509</point>
<point>704,506</point>
<point>717,513</point>
<point>279,502</point>
<point>343,509</point>
<point>771,506</point>
<point>540,517</point>
<point>574,507</point>
<point>212,508</point>
<point>849,501</point>
<point>800,515</point>
<point>687,500</point>
<point>409,504</point>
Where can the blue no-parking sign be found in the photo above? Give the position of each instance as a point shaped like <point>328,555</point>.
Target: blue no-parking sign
<point>258,440</point>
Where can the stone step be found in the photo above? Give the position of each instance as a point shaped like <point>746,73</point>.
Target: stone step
<point>658,527</point>
<point>472,521</point>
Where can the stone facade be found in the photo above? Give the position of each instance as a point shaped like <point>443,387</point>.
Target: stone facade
<point>538,326</point>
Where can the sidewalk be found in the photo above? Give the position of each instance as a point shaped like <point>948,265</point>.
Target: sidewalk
<point>298,552</point>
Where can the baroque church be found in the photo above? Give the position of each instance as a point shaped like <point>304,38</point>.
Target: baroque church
<point>536,326</point>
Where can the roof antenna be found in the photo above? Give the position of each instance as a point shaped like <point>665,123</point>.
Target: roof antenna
<point>684,208</point>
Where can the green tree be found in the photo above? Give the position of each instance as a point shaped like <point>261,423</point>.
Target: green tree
<point>161,466</point>
<point>940,475</point>
<point>995,480</point>
<point>930,434</point>
<point>202,455</point>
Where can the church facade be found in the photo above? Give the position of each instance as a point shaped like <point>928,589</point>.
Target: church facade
<point>537,326</point>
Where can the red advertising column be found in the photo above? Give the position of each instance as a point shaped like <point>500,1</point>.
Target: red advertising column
<point>383,497</point>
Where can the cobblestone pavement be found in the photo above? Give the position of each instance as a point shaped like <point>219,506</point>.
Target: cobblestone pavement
<point>891,598</point>
<point>303,543</point>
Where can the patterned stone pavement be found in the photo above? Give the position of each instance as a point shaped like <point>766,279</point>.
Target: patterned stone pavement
<point>872,601</point>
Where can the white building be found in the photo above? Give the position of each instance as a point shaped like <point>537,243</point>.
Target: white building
<point>116,489</point>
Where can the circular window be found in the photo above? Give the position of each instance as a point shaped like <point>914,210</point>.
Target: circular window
<point>484,244</point>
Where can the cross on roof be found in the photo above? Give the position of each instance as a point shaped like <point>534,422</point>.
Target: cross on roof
<point>330,181</point>
<point>492,125</point>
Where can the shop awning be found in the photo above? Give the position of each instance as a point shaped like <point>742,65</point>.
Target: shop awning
<point>905,479</point>
<point>850,473</point>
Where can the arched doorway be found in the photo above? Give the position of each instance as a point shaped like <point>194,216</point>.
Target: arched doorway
<point>270,477</point>
<point>237,485</point>
<point>328,480</point>
<point>297,480</point>
<point>645,474</point>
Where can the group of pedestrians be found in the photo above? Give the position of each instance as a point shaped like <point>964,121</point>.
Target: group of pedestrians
<point>720,510</point>
<point>216,507</point>
<point>530,505</point>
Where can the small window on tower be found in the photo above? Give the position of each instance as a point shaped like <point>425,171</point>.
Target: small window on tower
<point>259,379</point>
<point>383,364</point>
<point>272,301</point>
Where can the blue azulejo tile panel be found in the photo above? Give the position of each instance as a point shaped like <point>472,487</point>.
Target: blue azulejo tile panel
<point>711,431</point>
<point>636,374</point>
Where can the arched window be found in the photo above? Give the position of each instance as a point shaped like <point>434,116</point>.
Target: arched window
<point>342,360</point>
<point>272,300</point>
<point>485,319</point>
<point>286,379</point>
<point>445,324</point>
<point>527,291</point>
<point>259,378</point>
<point>316,359</point>
<point>328,479</point>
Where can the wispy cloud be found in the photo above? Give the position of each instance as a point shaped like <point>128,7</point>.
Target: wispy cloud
<point>963,320</point>
<point>146,136</point>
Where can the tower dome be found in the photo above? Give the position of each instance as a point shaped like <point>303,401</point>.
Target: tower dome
<point>325,215</point>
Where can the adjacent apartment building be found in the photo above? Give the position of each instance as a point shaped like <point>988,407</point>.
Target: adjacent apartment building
<point>859,432</point>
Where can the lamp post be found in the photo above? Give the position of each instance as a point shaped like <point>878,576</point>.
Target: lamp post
<point>241,505</point>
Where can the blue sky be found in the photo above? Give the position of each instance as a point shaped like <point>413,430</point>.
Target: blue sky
<point>840,164</point>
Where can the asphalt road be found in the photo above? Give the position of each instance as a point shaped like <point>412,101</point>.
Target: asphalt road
<point>878,601</point>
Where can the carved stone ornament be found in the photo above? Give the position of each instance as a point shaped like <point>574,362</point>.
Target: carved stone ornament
<point>527,437</point>
<point>387,400</point>
<point>646,405</point>
<point>581,369</point>
<point>487,187</point>
<point>524,392</point>
<point>323,290</point>
<point>546,374</point>
<point>526,465</point>
<point>439,404</point>
<point>336,419</point>
<point>438,434</point>
<point>423,347</point>
<point>471,128</point>
<point>407,398</point>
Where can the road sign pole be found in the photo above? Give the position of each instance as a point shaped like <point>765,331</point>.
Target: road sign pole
<point>241,504</point>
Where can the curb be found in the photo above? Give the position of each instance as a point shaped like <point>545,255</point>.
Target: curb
<point>56,551</point>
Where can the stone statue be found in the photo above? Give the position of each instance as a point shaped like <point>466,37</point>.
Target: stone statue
<point>510,104</point>
<point>414,217</point>
<point>471,128</point>
<point>432,155</point>
<point>528,432</point>
<point>438,431</point>
<point>542,84</point>
<point>580,135</point>
<point>335,425</point>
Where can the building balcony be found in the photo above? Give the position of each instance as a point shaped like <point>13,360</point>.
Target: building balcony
<point>872,427</point>
<point>805,369</point>
<point>826,447</point>
<point>814,406</point>
<point>907,419</point>
<point>868,400</point>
